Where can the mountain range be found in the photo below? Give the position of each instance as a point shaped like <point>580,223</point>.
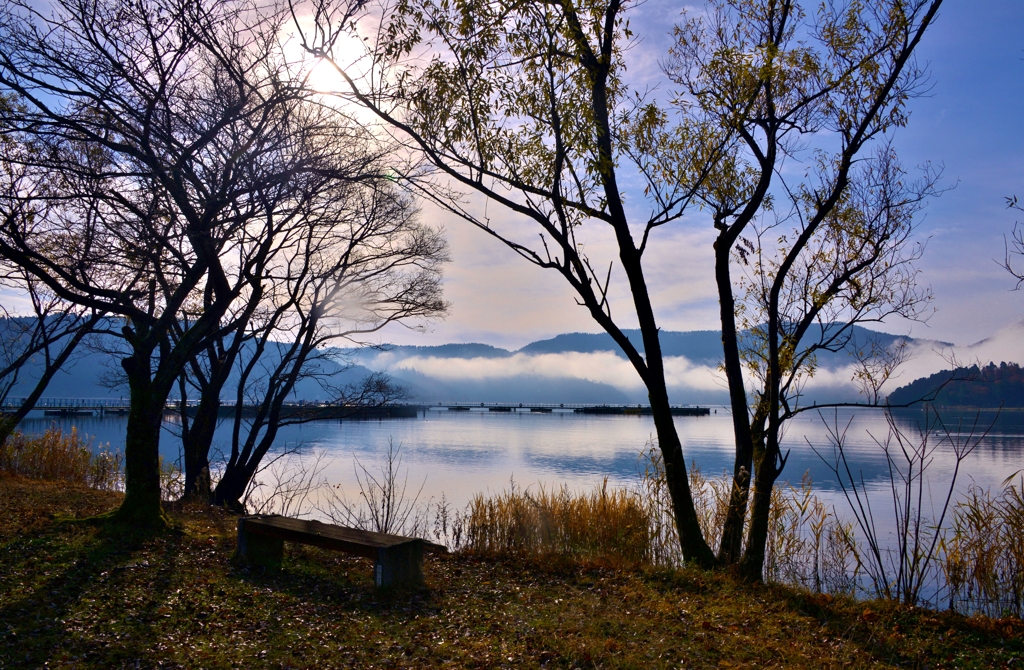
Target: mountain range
<point>569,368</point>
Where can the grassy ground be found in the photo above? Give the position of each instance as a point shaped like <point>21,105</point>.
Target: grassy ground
<point>75,595</point>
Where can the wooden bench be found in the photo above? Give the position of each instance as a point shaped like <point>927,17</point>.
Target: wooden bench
<point>399,560</point>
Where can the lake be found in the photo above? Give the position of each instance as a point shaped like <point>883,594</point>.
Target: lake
<point>459,454</point>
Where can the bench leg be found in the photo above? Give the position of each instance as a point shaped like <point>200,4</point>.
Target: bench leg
<point>259,550</point>
<point>399,565</point>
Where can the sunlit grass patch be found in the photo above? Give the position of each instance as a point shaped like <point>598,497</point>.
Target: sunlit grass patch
<point>58,456</point>
<point>606,523</point>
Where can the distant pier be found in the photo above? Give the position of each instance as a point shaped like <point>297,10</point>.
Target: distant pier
<point>312,411</point>
<point>309,411</point>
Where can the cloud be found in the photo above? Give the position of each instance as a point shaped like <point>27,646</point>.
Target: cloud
<point>928,357</point>
<point>602,367</point>
<point>1006,345</point>
<point>695,381</point>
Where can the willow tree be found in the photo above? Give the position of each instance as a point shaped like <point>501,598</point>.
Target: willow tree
<point>808,199</point>
<point>527,103</point>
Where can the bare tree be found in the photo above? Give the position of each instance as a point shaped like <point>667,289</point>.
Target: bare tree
<point>171,139</point>
<point>527,104</point>
<point>1015,246</point>
<point>901,572</point>
<point>51,329</point>
<point>363,262</point>
<point>47,338</point>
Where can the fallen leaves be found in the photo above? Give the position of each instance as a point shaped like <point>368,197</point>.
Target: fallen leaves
<point>176,600</point>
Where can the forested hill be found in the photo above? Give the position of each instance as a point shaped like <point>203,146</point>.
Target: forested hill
<point>990,386</point>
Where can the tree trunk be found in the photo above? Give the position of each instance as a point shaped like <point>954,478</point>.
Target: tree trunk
<point>691,538</point>
<point>8,422</point>
<point>767,471</point>
<point>141,505</point>
<point>244,462</point>
<point>694,547</point>
<point>731,546</point>
<point>752,565</point>
<point>196,448</point>
<point>231,488</point>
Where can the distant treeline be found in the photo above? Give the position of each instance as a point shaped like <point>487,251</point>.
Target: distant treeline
<point>990,386</point>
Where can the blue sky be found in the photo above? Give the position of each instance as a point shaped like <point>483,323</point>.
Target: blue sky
<point>970,122</point>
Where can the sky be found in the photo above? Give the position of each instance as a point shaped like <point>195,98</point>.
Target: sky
<point>969,123</point>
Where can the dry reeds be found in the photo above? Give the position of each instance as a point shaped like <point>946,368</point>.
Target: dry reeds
<point>807,545</point>
<point>608,523</point>
<point>983,552</point>
<point>980,557</point>
<point>59,456</point>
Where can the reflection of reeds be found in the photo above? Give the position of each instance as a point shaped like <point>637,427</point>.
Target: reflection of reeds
<point>59,456</point>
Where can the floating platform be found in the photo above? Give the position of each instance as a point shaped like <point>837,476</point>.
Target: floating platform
<point>69,411</point>
<point>644,411</point>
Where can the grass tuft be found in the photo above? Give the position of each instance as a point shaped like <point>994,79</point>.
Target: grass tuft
<point>58,456</point>
<point>610,524</point>
<point>984,552</point>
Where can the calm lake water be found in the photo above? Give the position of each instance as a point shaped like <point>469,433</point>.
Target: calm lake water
<point>464,453</point>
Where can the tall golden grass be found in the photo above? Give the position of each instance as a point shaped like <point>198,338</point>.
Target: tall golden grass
<point>58,456</point>
<point>983,552</point>
<point>807,545</point>
<point>611,524</point>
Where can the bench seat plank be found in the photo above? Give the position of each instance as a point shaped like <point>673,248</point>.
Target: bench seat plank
<point>359,542</point>
<point>398,559</point>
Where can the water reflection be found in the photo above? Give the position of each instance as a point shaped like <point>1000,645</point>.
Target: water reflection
<point>460,454</point>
